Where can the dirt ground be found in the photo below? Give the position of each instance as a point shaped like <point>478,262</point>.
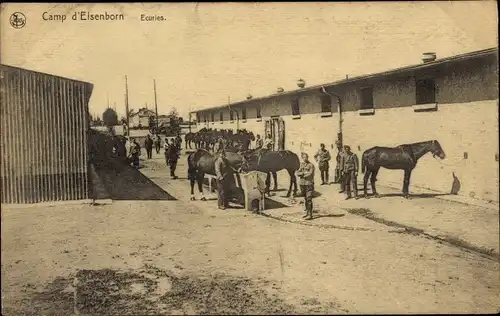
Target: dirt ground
<point>182,257</point>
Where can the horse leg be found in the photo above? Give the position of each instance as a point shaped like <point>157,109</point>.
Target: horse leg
<point>291,183</point>
<point>268,183</point>
<point>199,179</point>
<point>275,178</point>
<point>192,180</point>
<point>373,179</point>
<point>365,182</point>
<point>406,183</point>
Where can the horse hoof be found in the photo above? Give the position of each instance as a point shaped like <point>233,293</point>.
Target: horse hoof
<point>203,199</point>
<point>192,199</point>
<point>287,196</point>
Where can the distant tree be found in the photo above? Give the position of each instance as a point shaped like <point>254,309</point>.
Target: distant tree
<point>110,119</point>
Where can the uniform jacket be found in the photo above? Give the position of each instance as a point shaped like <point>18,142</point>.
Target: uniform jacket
<point>350,162</point>
<point>135,149</point>
<point>172,153</point>
<point>323,156</point>
<point>306,173</point>
<point>259,143</point>
<point>222,169</point>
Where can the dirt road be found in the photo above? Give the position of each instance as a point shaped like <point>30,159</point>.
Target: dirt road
<point>177,257</point>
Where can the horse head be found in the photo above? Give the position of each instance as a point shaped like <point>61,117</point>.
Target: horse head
<point>437,150</point>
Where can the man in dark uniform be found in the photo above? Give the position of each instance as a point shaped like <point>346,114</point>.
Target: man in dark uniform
<point>148,144</point>
<point>157,144</point>
<point>306,175</point>
<point>172,157</point>
<point>135,152</point>
<point>178,141</point>
<point>338,169</point>
<point>350,170</point>
<point>341,158</point>
<point>323,158</point>
<point>223,172</point>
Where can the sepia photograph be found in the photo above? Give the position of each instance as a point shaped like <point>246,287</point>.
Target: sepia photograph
<point>253,158</point>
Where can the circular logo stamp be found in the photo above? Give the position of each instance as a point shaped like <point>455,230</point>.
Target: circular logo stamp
<point>17,20</point>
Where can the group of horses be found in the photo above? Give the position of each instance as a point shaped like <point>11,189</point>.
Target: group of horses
<point>403,157</point>
<point>206,138</point>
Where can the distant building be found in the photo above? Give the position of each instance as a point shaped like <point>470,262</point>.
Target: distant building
<point>141,118</point>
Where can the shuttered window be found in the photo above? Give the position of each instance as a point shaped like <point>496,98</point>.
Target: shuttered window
<point>295,107</point>
<point>366,98</point>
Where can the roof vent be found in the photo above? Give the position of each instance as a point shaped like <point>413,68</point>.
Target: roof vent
<point>301,83</point>
<point>249,96</point>
<point>428,57</point>
<point>280,89</point>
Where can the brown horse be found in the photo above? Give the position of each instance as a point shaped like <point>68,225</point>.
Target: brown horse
<point>271,162</point>
<point>202,162</point>
<point>402,157</point>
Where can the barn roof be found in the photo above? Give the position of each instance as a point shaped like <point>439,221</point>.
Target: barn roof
<point>401,70</point>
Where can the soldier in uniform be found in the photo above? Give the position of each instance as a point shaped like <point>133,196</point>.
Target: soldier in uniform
<point>268,142</point>
<point>148,143</point>
<point>223,174</point>
<point>135,152</point>
<point>323,157</point>
<point>306,175</point>
<point>340,166</point>
<point>172,157</point>
<point>166,147</point>
<point>338,169</point>
<point>350,171</point>
<point>178,141</point>
<point>259,143</point>
<point>157,144</point>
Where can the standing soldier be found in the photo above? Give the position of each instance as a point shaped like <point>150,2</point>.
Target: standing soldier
<point>341,158</point>
<point>306,175</point>
<point>323,157</point>
<point>135,152</point>
<point>259,143</point>
<point>223,174</point>
<point>178,141</point>
<point>350,169</point>
<point>166,147</point>
<point>338,167</point>
<point>148,143</point>
<point>268,142</point>
<point>157,144</point>
<point>172,157</point>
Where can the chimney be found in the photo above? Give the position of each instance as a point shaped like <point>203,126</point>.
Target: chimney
<point>280,89</point>
<point>301,83</point>
<point>428,57</point>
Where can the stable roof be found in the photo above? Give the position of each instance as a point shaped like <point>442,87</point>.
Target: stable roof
<point>401,70</point>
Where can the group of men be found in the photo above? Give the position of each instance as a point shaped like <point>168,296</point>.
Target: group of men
<point>172,151</point>
<point>346,170</point>
<point>346,173</point>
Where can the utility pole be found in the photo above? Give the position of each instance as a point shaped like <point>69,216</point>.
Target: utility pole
<point>156,105</point>
<point>107,97</point>
<point>126,106</point>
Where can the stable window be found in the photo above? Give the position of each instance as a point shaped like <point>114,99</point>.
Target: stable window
<point>197,117</point>
<point>295,107</point>
<point>425,91</point>
<point>221,117</point>
<point>205,119</point>
<point>258,113</point>
<point>244,114</point>
<point>231,115</point>
<point>212,117</point>
<point>366,98</point>
<point>326,103</point>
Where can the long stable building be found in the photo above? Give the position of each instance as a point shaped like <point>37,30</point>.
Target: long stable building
<point>453,100</point>
<point>44,124</point>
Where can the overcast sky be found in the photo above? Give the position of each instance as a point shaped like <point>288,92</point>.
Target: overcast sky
<point>202,54</point>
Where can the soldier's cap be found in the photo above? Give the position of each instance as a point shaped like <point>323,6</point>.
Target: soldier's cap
<point>347,147</point>
<point>304,155</point>
<point>323,145</point>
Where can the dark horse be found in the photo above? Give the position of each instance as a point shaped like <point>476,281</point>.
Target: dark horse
<point>202,162</point>
<point>267,161</point>
<point>402,157</point>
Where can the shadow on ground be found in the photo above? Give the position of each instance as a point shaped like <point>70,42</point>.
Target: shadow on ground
<point>124,182</point>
